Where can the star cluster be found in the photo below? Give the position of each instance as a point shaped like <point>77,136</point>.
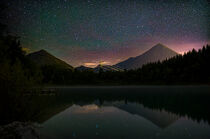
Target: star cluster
<point>89,31</point>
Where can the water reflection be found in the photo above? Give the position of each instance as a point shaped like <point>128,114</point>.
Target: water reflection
<point>160,118</point>
<point>130,120</point>
<point>127,113</point>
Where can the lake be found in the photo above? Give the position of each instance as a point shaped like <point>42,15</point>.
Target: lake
<point>146,112</point>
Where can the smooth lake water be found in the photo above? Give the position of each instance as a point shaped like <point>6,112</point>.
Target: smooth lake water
<point>145,112</point>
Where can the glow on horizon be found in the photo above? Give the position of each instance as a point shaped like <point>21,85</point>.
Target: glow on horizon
<point>183,48</point>
<point>94,64</point>
<point>90,64</point>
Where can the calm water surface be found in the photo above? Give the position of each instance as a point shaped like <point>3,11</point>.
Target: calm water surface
<point>128,113</point>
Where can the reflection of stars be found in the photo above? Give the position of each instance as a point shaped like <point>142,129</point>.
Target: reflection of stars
<point>75,36</point>
<point>142,26</point>
<point>42,39</point>
<point>194,11</point>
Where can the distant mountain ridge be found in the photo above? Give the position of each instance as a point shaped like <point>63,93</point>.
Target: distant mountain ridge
<point>43,58</point>
<point>83,68</point>
<point>107,68</point>
<point>98,68</point>
<point>158,52</point>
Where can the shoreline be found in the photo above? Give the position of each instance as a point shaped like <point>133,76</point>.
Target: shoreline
<point>120,86</point>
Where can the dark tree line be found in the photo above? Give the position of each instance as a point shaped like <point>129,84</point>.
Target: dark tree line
<point>17,73</point>
<point>192,67</point>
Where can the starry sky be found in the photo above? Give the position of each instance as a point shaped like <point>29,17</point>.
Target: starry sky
<point>85,32</point>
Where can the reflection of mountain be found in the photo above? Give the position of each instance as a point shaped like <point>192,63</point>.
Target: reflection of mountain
<point>49,112</point>
<point>118,120</point>
<point>43,108</point>
<point>97,122</point>
<point>162,118</point>
<point>172,99</point>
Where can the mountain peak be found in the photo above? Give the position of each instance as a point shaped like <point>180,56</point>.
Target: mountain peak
<point>160,45</point>
<point>83,68</point>
<point>42,51</point>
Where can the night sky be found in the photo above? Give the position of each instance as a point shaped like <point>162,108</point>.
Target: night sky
<point>86,32</point>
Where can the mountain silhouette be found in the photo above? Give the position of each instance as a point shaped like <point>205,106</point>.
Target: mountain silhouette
<point>43,58</point>
<point>160,118</point>
<point>107,68</point>
<point>158,52</point>
<point>83,68</point>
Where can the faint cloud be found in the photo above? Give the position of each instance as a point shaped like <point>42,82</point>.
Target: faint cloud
<point>94,64</point>
<point>90,64</point>
<point>104,63</point>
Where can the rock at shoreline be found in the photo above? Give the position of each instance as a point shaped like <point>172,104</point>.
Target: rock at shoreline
<point>19,130</point>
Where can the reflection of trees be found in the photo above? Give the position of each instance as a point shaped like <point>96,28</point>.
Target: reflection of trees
<point>40,108</point>
<point>194,105</point>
